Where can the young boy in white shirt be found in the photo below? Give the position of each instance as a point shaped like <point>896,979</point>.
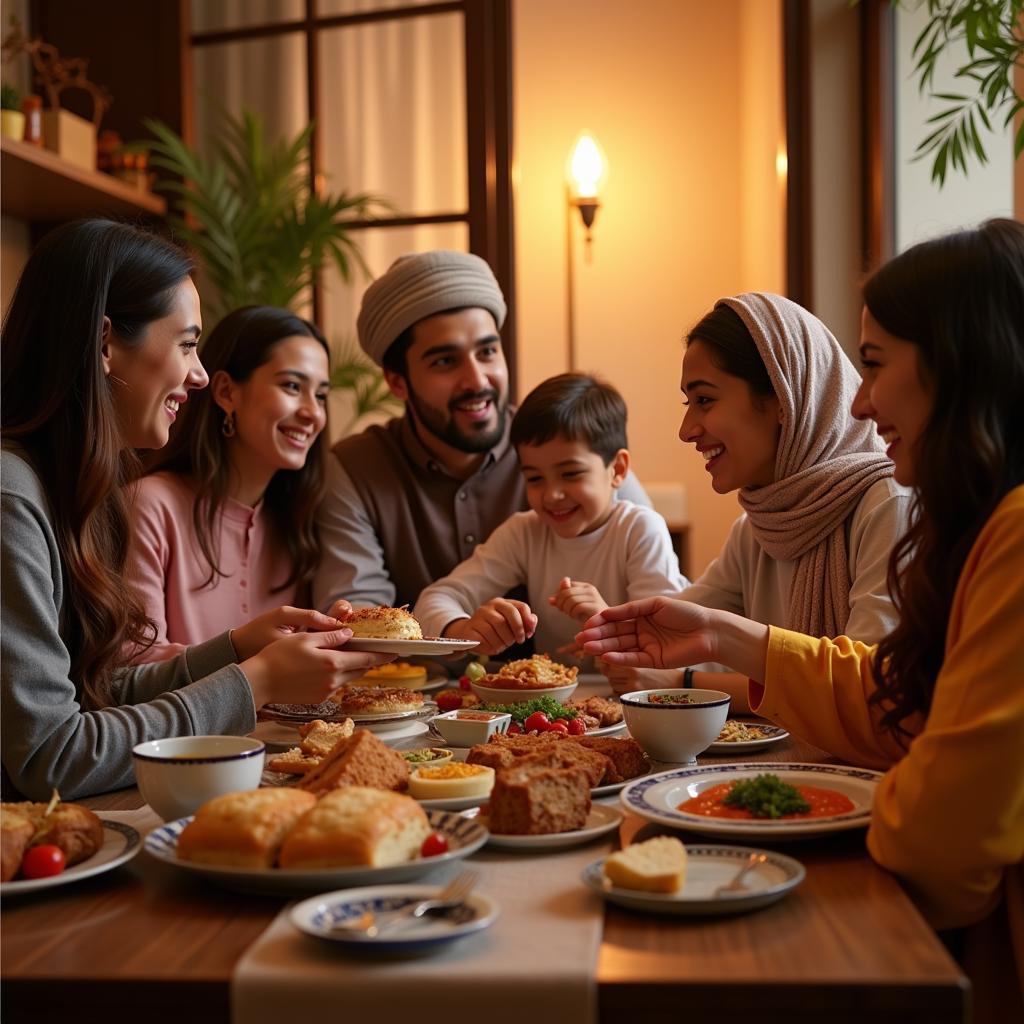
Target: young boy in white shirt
<point>578,549</point>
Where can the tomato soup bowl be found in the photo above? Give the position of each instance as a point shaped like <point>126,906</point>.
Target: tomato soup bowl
<point>176,776</point>
<point>671,730</point>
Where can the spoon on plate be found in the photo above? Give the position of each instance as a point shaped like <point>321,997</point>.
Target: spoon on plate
<point>450,902</point>
<point>736,884</point>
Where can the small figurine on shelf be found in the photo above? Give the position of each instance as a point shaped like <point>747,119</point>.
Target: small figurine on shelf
<point>32,108</point>
<point>129,165</point>
<point>12,120</point>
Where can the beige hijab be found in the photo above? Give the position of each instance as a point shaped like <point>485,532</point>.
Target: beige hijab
<point>825,462</point>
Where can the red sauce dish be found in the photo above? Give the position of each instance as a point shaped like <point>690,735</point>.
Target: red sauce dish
<point>825,803</point>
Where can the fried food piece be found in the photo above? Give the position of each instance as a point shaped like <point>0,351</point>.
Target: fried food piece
<point>319,737</point>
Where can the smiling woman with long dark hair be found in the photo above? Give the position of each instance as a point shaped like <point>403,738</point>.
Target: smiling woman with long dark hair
<point>224,521</point>
<point>939,702</point>
<point>99,353</point>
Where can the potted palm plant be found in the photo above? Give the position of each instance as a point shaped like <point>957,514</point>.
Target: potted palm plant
<point>262,235</point>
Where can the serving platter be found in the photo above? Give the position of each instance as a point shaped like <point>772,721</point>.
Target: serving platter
<point>707,868</point>
<point>600,821</point>
<point>120,843</point>
<point>464,837</point>
<point>657,798</point>
<point>328,711</point>
<point>772,734</point>
<point>434,645</point>
<point>324,917</point>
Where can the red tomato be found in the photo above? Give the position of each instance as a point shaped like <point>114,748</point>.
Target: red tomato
<point>559,726</point>
<point>42,861</point>
<point>538,720</point>
<point>514,729</point>
<point>449,700</point>
<point>463,682</point>
<point>576,727</point>
<point>434,845</point>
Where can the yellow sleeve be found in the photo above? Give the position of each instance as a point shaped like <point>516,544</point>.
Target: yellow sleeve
<point>949,818</point>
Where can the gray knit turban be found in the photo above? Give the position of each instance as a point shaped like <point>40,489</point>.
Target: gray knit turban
<point>421,285</point>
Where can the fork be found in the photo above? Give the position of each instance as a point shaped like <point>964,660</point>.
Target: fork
<point>453,895</point>
<point>736,884</point>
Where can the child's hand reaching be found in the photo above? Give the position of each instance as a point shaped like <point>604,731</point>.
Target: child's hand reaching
<point>496,625</point>
<point>577,599</point>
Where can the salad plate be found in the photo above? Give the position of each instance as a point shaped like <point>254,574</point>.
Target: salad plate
<point>769,734</point>
<point>600,821</point>
<point>707,868</point>
<point>464,837</point>
<point>325,917</point>
<point>657,797</point>
<point>120,843</point>
<point>427,645</point>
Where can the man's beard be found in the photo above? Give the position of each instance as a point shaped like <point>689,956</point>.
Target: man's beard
<point>443,427</point>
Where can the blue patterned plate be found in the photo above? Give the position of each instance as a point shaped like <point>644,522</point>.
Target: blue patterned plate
<point>324,917</point>
<point>464,837</point>
<point>657,797</point>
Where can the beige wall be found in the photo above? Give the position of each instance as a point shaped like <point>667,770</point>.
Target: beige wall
<point>685,100</point>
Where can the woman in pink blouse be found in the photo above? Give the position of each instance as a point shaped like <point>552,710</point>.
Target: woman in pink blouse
<point>224,526</point>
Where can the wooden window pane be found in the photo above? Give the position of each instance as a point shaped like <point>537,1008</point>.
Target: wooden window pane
<point>326,8</point>
<point>393,111</point>
<point>216,15</point>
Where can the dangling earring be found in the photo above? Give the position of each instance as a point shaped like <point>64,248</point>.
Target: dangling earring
<point>227,428</point>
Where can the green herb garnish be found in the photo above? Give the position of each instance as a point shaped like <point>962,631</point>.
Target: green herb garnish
<point>520,712</point>
<point>766,796</point>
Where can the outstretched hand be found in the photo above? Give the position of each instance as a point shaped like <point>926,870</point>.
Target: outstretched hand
<point>657,632</point>
<point>496,625</point>
<point>251,638</point>
<point>578,599</point>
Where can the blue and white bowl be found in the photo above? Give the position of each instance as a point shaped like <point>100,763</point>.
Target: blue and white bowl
<point>324,917</point>
<point>675,733</point>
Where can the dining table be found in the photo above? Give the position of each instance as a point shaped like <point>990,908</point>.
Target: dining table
<point>151,943</point>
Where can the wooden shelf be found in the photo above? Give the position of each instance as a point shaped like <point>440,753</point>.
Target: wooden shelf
<point>37,185</point>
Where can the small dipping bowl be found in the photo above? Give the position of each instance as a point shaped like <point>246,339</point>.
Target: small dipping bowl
<point>675,733</point>
<point>176,776</point>
<point>465,727</point>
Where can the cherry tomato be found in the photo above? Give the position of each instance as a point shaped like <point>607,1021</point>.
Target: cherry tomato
<point>463,682</point>
<point>538,720</point>
<point>434,845</point>
<point>514,729</point>
<point>449,700</point>
<point>576,727</point>
<point>42,861</point>
<point>559,727</point>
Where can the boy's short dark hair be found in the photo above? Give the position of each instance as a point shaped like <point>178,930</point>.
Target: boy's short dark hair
<point>577,407</point>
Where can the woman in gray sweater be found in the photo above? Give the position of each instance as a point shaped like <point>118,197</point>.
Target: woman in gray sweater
<point>99,351</point>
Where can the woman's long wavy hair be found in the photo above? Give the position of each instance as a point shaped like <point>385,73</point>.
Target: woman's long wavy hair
<point>198,450</point>
<point>960,300</point>
<point>58,407</point>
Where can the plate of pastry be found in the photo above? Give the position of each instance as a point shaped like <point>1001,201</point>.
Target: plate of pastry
<point>662,876</point>
<point>378,708</point>
<point>599,821</point>
<point>284,840</point>
<point>739,737</point>
<point>89,844</point>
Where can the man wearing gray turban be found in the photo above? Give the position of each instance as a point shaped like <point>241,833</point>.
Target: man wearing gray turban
<point>409,500</point>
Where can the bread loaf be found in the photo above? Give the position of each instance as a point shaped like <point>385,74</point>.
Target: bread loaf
<point>362,760</point>
<point>243,830</point>
<point>537,797</point>
<point>657,865</point>
<point>357,826</point>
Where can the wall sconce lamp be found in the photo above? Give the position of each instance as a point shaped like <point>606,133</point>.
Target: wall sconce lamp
<point>586,174</point>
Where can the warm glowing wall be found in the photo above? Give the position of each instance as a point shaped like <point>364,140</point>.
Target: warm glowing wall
<point>685,100</point>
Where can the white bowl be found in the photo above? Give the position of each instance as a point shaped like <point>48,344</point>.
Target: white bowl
<point>176,776</point>
<point>461,729</point>
<point>494,695</point>
<point>676,733</point>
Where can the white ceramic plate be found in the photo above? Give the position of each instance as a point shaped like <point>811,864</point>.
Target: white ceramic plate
<point>320,917</point>
<point>120,843</point>
<point>453,803</point>
<point>601,820</point>
<point>658,797</point>
<point>772,734</point>
<point>428,645</point>
<point>300,714</point>
<point>708,867</point>
<point>615,787</point>
<point>496,695</point>
<point>464,837</point>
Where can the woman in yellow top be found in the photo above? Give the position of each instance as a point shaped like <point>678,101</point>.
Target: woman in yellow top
<point>940,701</point>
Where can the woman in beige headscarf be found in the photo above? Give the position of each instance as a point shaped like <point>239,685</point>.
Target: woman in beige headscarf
<point>768,393</point>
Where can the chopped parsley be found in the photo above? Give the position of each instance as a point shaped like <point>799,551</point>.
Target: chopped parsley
<point>520,712</point>
<point>766,796</point>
